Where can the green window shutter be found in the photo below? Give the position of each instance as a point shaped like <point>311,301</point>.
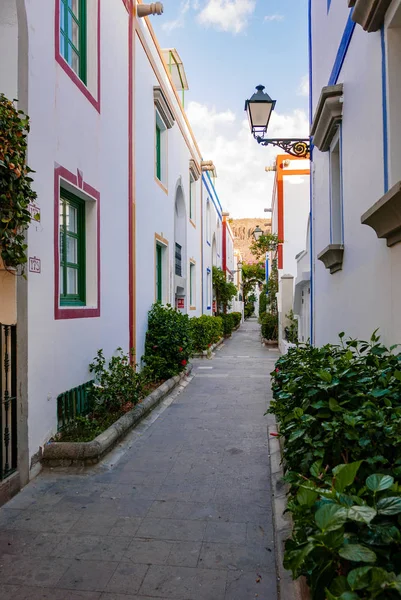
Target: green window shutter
<point>159,274</point>
<point>158,154</point>
<point>191,284</point>
<point>72,250</point>
<point>73,38</point>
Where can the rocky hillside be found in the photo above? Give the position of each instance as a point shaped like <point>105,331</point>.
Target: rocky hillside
<point>243,230</point>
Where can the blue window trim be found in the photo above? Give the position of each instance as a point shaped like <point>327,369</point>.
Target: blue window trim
<point>208,308</point>
<point>212,194</point>
<point>343,49</point>
<point>208,243</point>
<point>384,95</point>
<point>328,5</point>
<point>208,270</point>
<point>340,141</point>
<point>312,328</point>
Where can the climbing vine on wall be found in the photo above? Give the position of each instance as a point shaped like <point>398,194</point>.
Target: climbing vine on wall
<point>16,192</point>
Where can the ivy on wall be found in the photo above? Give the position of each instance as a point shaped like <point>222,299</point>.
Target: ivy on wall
<point>16,192</point>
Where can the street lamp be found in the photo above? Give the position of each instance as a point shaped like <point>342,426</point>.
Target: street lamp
<point>257,233</point>
<point>259,109</point>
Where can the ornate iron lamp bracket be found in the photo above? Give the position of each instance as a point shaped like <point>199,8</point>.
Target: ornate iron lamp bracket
<point>298,147</point>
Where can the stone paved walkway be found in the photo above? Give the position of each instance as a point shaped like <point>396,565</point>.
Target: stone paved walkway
<point>184,514</point>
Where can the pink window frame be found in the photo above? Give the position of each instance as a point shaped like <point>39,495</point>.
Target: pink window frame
<point>66,67</point>
<point>61,173</point>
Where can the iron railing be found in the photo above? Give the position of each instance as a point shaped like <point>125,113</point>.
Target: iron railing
<point>178,260</point>
<point>73,403</point>
<point>8,400</point>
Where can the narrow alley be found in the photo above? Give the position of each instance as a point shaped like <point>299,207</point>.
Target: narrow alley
<point>185,513</point>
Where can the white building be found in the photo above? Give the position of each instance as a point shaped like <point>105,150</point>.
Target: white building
<point>168,186</point>
<point>79,251</point>
<point>356,129</point>
<point>212,239</point>
<point>290,212</point>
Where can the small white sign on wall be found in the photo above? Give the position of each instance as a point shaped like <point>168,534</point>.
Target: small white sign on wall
<point>34,264</point>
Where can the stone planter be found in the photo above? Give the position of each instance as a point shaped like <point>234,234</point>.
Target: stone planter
<point>271,343</point>
<point>65,454</point>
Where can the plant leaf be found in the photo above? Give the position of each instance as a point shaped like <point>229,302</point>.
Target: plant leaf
<point>362,514</point>
<point>334,406</point>
<point>345,475</point>
<point>378,483</point>
<point>306,496</point>
<point>330,517</point>
<point>389,506</point>
<point>357,553</point>
<point>358,579</point>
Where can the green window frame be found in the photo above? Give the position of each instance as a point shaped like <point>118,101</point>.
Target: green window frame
<point>191,283</point>
<point>159,273</point>
<point>72,250</point>
<point>158,153</point>
<point>73,42</point>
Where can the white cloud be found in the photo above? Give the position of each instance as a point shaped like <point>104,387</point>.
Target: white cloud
<point>274,18</point>
<point>179,22</point>
<point>227,15</point>
<point>243,186</point>
<point>303,89</point>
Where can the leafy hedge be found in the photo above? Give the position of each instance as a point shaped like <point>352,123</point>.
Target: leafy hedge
<point>228,323</point>
<point>339,411</point>
<point>269,329</point>
<point>168,344</point>
<point>237,317</point>
<point>205,331</point>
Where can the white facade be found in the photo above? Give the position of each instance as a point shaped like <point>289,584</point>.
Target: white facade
<point>74,146</point>
<point>302,292</point>
<point>362,291</point>
<point>212,239</point>
<point>168,205</point>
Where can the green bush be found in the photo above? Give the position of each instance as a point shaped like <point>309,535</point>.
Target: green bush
<point>339,411</point>
<point>262,302</point>
<point>168,344</point>
<point>249,309</point>
<point>228,323</point>
<point>269,324</point>
<point>205,331</point>
<point>115,383</point>
<point>237,317</point>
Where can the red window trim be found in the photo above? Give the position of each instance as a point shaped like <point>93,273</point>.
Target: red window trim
<point>76,180</point>
<point>66,67</point>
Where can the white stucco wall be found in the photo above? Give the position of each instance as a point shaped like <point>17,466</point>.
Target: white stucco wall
<point>209,196</point>
<point>155,206</point>
<point>296,191</point>
<point>366,294</point>
<point>66,129</point>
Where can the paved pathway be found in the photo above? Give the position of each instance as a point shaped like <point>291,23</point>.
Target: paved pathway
<point>184,514</point>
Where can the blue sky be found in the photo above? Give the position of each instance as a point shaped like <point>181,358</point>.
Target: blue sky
<point>228,47</point>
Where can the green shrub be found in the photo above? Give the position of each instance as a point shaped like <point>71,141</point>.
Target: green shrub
<point>249,309</point>
<point>115,384</point>
<point>269,324</point>
<point>237,317</point>
<point>262,302</point>
<point>205,331</point>
<point>168,344</point>
<point>228,323</point>
<point>339,411</point>
<point>291,331</point>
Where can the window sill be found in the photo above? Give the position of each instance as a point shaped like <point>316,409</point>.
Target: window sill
<point>332,257</point>
<point>78,82</point>
<point>161,185</point>
<point>327,116</point>
<point>192,223</point>
<point>369,14</point>
<point>192,308</point>
<point>68,312</point>
<point>385,216</point>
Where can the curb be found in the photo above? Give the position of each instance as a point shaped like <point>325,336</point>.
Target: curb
<point>288,589</point>
<point>65,454</point>
<point>207,353</point>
